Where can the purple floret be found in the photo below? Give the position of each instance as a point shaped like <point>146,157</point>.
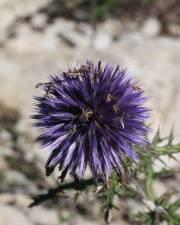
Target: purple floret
<point>91,116</point>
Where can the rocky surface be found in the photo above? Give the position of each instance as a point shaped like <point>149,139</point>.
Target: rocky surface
<point>32,49</point>
<point>31,55</point>
<point>11,215</point>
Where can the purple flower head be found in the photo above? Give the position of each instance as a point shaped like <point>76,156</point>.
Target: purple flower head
<point>91,116</point>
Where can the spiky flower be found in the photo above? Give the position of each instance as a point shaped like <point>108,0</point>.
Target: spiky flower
<point>91,116</point>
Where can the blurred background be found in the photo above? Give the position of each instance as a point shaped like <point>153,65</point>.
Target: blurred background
<point>40,37</point>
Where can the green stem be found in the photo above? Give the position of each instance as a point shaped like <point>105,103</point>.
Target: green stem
<point>149,179</point>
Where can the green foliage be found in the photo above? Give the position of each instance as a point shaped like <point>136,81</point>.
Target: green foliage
<point>140,179</point>
<point>2,177</point>
<point>164,211</point>
<point>109,196</point>
<point>99,9</point>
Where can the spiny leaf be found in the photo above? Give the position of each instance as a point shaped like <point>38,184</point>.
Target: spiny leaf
<point>171,136</point>
<point>175,206</point>
<point>156,138</point>
<point>110,194</point>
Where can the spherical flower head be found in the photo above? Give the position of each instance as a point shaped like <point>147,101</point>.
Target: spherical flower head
<point>91,116</point>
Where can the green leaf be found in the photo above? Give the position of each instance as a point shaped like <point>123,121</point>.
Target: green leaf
<point>175,206</point>
<point>171,136</point>
<point>156,138</point>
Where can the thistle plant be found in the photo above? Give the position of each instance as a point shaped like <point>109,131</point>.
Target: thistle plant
<point>93,117</point>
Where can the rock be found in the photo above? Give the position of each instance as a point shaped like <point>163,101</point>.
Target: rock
<point>173,29</point>
<point>65,215</point>
<point>39,21</point>
<point>84,221</point>
<point>8,115</point>
<point>33,42</point>
<point>132,38</point>
<point>20,7</point>
<point>15,177</point>
<point>102,41</point>
<point>49,42</point>
<point>22,200</point>
<point>12,216</point>
<point>69,33</point>
<point>5,138</point>
<point>159,188</point>
<point>6,151</point>
<point>120,221</point>
<point>85,28</point>
<point>40,215</point>
<point>7,17</point>
<point>135,206</point>
<point>23,30</point>
<point>80,14</point>
<point>3,37</point>
<point>24,127</point>
<point>75,39</point>
<point>11,10</point>
<point>169,163</point>
<point>19,199</point>
<point>72,3</point>
<point>6,198</point>
<point>111,26</point>
<point>164,223</point>
<point>151,27</point>
<point>3,164</point>
<point>59,26</point>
